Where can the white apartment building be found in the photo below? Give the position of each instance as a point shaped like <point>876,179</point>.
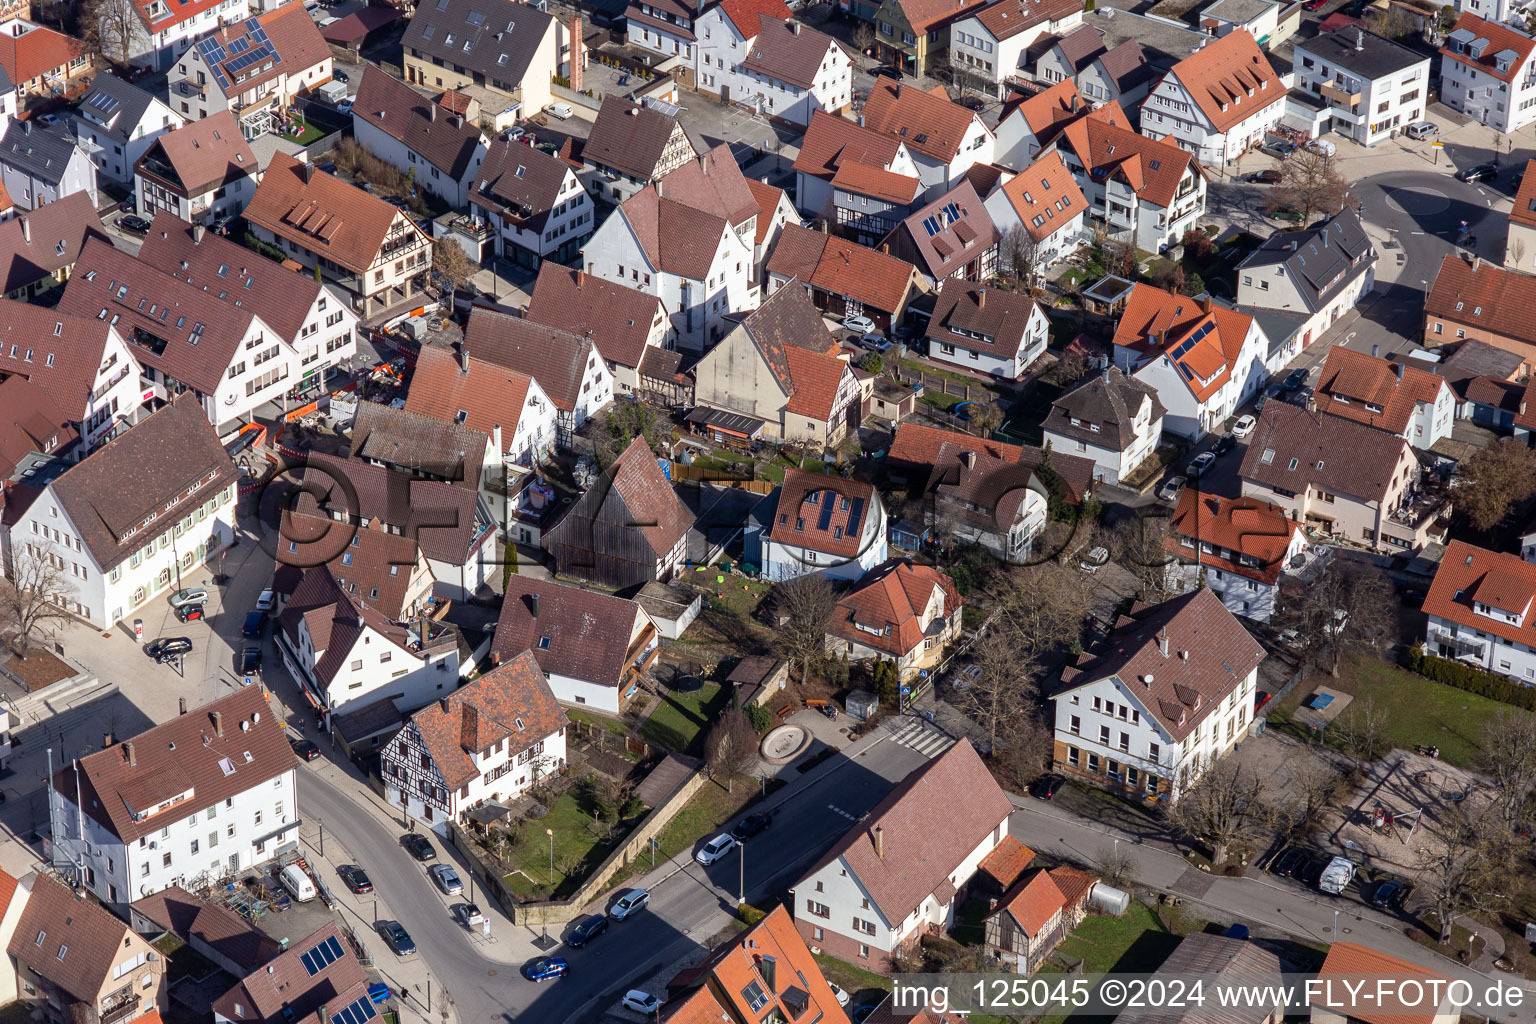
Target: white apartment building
<point>194,800</point>
<point>1488,73</point>
<point>117,122</point>
<point>1372,86</point>
<point>1113,419</point>
<point>1238,548</point>
<point>489,741</point>
<point>992,43</point>
<point>785,69</point>
<point>1160,700</point>
<point>533,202</point>
<point>995,332</point>
<point>157,31</point>
<point>82,362</point>
<point>1480,611</point>
<point>203,171</point>
<point>823,525</point>
<point>1218,102</point>
<point>664,28</point>
<point>125,535</point>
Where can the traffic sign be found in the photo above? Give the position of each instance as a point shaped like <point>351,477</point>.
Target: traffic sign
<point>906,691</point>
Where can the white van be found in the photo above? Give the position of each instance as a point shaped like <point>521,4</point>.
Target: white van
<point>298,883</point>
<point>561,111</point>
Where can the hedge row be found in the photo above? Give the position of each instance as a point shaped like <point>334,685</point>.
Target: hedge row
<point>1473,680</point>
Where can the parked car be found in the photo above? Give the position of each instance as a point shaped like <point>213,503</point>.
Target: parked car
<point>587,929</point>
<point>629,903</point>
<point>716,848</point>
<point>446,879</point>
<point>875,342</point>
<point>417,846</point>
<point>1481,172</point>
<point>265,601</point>
<point>1389,894</point>
<point>1224,444</point>
<point>750,826</point>
<point>1311,871</point>
<point>1170,490</point>
<point>888,71</point>
<point>339,75</point>
<point>397,938</point>
<point>1335,878</point>
<point>1202,462</point>
<point>1287,212</point>
<point>345,107</point>
<point>1422,130</point>
<point>512,134</point>
<point>190,613</point>
<point>356,878</point>
<point>190,595</point>
<point>859,323</point>
<point>306,749</point>
<point>255,624</point>
<point>468,914</point>
<point>1268,176</point>
<point>546,968</point>
<point>327,168</point>
<point>1295,379</point>
<point>47,120</point>
<point>168,647</point>
<point>1278,150</point>
<point>1260,698</point>
<point>1290,638</point>
<point>250,661</point>
<point>840,994</point>
<point>641,1002</point>
<point>1290,862</point>
<point>1046,787</point>
<point>1243,427</point>
<point>1273,391</point>
<point>1313,5</point>
<point>560,111</point>
<point>129,204</point>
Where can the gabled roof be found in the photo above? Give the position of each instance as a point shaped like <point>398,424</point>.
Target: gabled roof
<point>876,182</point>
<point>206,153</point>
<point>980,319</point>
<point>789,51</point>
<point>744,14</point>
<point>1203,954</point>
<point>188,917</point>
<point>618,318</point>
<point>1110,401</point>
<point>840,267</point>
<point>113,108</point>
<point>1126,65</point>
<point>445,141</point>
<point>629,138</point>
<point>672,232</point>
<point>1490,47</point>
<point>714,184</point>
<point>254,52</point>
<point>1209,654</point>
<point>1322,260</point>
<point>33,423</point>
<point>1484,295</point>
<point>1005,18</point>
<point>130,489</point>
<point>888,602</point>
<point>171,326</point>
<point>40,242</point>
<point>231,273</point>
<point>918,446</point>
<point>439,515</point>
<point>42,152</point>
<point>288,991</point>
<point>556,359</point>
<point>1045,196</point>
<point>324,214</point>
<point>926,15</point>
<point>822,513</point>
<point>30,334</point>
<point>1256,533</point>
<point>831,141</point>
<point>511,703</point>
<point>1469,575</point>
<point>768,199</point>
<point>38,51</point>
<point>1047,111</point>
<point>69,940</point>
<point>916,858</point>
<point>335,618</point>
<point>443,385</point>
<point>1294,449</point>
<point>1524,210</point>
<point>797,348</point>
<point>219,750</point>
<point>1355,961</point>
<point>1207,338</point>
<point>1108,147</point>
<point>498,41</point>
<point>1352,383</point>
<point>572,631</point>
<point>927,122</point>
<point>1080,47</point>
<point>950,231</point>
<point>770,954</point>
<point>1229,79</point>
<point>414,442</point>
<point>1033,903</point>
<point>520,182</point>
<point>649,505</point>
<point>1007,862</point>
<point>373,566</point>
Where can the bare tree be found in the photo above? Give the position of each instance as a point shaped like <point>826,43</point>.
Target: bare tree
<point>32,600</point>
<point>1509,761</point>
<point>999,696</point>
<point>1310,183</point>
<point>112,28</point>
<point>1362,729</point>
<point>1494,480</point>
<point>1141,546</point>
<point>1222,809</point>
<point>985,418</point>
<point>1346,606</point>
<point>863,37</point>
<point>1118,868</point>
<point>964,80</point>
<point>730,747</point>
<point>1311,782</point>
<point>1517,253</point>
<point>452,264</point>
<point>806,604</point>
<point>1072,366</point>
<point>1020,253</point>
<point>1467,871</point>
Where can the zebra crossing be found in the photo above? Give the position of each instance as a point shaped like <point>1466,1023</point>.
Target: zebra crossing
<point>928,740</point>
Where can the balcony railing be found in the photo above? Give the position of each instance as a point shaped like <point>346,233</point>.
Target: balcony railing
<point>119,1009</point>
<point>1463,644</point>
<point>1339,94</point>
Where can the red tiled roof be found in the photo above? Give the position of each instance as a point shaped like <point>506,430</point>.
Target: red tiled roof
<point>42,50</point>
<point>917,858</point>
<point>1524,211</point>
<point>768,198</point>
<point>713,183</point>
<point>208,152</point>
<point>1105,142</point>
<point>1243,526</point>
<point>490,395</point>
<point>70,941</point>
<point>1047,192</point>
<point>672,233</point>
<point>1005,18</point>
<point>790,51</point>
<point>964,231</point>
<point>1355,961</point>
<point>588,631</point>
<point>928,122</point>
<point>816,378</point>
<point>840,267</point>
<point>295,37</point>
<point>1008,860</point>
<point>870,180</point>
<point>511,702</point>
<point>1229,79</point>
<point>1499,38</point>
<point>1396,389</point>
<point>795,987</point>
<point>926,15</point>
<point>1156,321</point>
<point>919,445</point>
<point>555,358</point>
<point>1484,295</point>
<point>1048,110</point>
<point>804,516</point>
<point>33,423</point>
<point>1033,903</point>
<point>325,214</point>
<point>831,141</point>
<point>286,992</point>
<point>744,13</point>
<point>1469,574</point>
<point>619,319</point>
<point>890,600</point>
<point>446,142</point>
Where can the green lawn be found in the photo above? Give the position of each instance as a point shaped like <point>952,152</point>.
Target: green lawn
<point>576,846</point>
<point>680,720</point>
<point>940,400</point>
<point>864,986</point>
<point>305,137</point>
<point>1135,942</point>
<point>1419,711</point>
<point>711,807</point>
<point>602,722</point>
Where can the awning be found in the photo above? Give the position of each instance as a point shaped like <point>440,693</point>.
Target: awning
<point>489,812</point>
<point>727,422</point>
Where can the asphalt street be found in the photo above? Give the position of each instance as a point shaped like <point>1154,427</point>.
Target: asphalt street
<point>689,902</point>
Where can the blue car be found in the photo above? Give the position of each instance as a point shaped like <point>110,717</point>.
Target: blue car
<point>546,968</point>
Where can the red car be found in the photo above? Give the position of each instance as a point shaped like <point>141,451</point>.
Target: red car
<point>1313,5</point>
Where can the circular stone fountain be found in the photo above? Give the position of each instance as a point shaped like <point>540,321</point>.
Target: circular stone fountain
<point>784,744</point>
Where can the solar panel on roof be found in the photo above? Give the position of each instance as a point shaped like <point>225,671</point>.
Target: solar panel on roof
<point>856,516</point>
<point>102,102</point>
<point>825,519</point>
<point>357,1012</point>
<point>321,956</point>
<point>238,45</point>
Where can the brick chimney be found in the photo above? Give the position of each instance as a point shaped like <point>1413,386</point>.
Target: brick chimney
<point>1162,642</point>
<point>1205,304</point>
<point>981,298</point>
<point>218,722</point>
<point>128,749</point>
<point>578,52</point>
<point>469,727</point>
<point>26,229</point>
<point>879,836</point>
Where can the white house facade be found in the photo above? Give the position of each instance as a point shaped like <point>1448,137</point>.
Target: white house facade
<point>1217,102</point>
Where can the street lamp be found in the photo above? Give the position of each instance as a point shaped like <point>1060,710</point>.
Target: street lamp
<point>741,884</point>
<point>551,833</point>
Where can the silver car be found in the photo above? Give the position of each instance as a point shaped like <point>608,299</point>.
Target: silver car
<point>191,595</point>
<point>1422,130</point>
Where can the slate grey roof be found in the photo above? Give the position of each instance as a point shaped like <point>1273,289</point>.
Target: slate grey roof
<point>113,107</point>
<point>1109,399</point>
<point>1376,57</point>
<point>521,181</point>
<point>43,153</point>
<point>1321,260</point>
<point>503,36</point>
